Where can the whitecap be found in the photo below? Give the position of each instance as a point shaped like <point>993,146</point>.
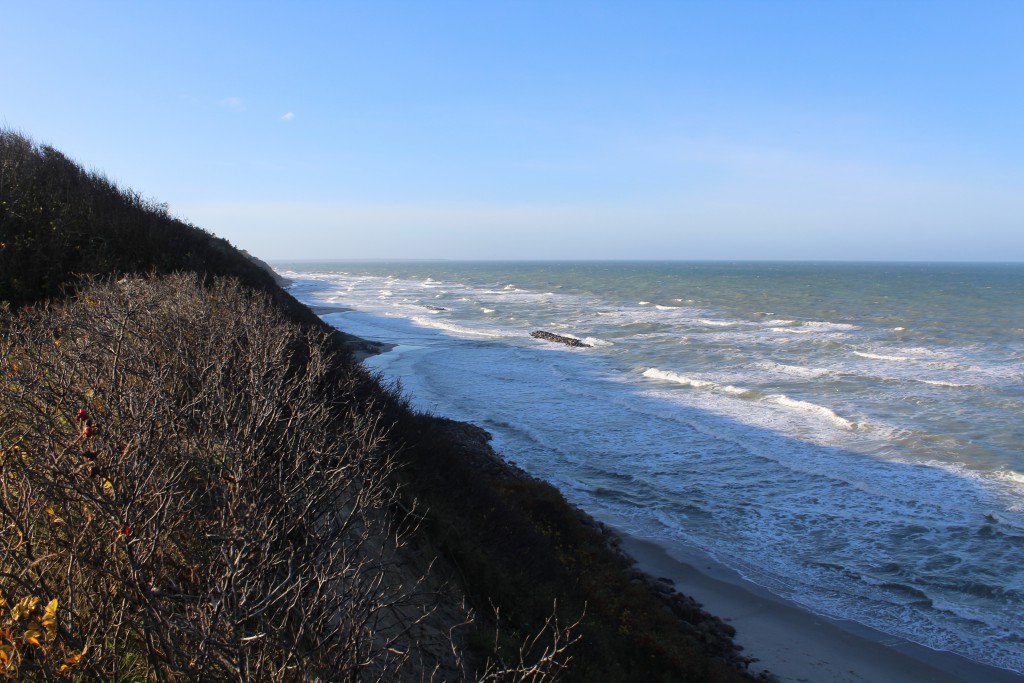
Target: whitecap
<point>883,356</point>
<point>668,375</point>
<point>457,329</point>
<point>1010,475</point>
<point>595,342</point>
<point>792,330</point>
<point>825,325</point>
<point>795,370</point>
<point>951,385</point>
<point>813,408</point>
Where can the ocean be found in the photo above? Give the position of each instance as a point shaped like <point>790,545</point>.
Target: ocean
<point>849,436</point>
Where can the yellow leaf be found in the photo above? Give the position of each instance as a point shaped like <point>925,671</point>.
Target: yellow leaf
<point>24,607</point>
<point>56,520</point>
<point>73,659</point>
<point>50,619</point>
<point>34,634</point>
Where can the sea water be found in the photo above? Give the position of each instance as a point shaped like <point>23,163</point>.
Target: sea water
<point>850,436</point>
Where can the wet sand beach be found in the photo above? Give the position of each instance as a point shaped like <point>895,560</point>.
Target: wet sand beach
<point>795,644</point>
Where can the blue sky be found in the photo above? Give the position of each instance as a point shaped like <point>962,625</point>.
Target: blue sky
<point>550,130</point>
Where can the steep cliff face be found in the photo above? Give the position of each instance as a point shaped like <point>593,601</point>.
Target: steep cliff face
<point>197,462</point>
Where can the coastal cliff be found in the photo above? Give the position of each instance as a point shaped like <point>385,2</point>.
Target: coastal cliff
<point>204,484</point>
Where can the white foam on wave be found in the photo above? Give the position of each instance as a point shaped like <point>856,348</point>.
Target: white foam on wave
<point>457,329</point>
<point>484,309</point>
<point>813,408</point>
<point>644,303</point>
<point>669,376</point>
<point>1014,481</point>
<point>1011,475</point>
<point>675,315</point>
<point>951,385</point>
<point>825,330</point>
<point>1008,481</point>
<point>595,342</point>
<point>664,308</point>
<point>716,323</point>
<point>825,325</point>
<point>884,356</point>
<point>795,370</point>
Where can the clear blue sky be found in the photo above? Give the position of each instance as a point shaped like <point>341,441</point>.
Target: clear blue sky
<point>851,130</point>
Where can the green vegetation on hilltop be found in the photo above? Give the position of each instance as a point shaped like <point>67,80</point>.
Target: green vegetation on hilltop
<point>198,483</point>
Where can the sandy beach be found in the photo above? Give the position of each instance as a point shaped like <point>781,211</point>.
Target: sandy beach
<point>795,644</point>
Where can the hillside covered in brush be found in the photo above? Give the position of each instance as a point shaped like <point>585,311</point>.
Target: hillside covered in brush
<point>198,483</point>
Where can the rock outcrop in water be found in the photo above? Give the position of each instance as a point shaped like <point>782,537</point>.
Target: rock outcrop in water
<point>551,337</point>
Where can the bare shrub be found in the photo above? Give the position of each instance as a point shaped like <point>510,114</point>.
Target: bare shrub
<point>191,479</point>
<point>539,657</point>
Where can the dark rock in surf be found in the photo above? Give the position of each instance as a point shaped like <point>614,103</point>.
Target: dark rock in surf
<point>551,337</point>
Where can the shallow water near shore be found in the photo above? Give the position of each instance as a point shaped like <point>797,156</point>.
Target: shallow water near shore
<point>849,436</point>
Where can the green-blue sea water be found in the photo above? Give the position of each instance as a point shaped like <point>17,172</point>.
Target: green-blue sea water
<point>850,436</point>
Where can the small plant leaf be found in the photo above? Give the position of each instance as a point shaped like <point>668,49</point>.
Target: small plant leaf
<point>50,619</point>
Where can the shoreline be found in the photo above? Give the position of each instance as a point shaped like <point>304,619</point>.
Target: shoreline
<point>793,643</point>
<point>360,348</point>
<point>783,639</point>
